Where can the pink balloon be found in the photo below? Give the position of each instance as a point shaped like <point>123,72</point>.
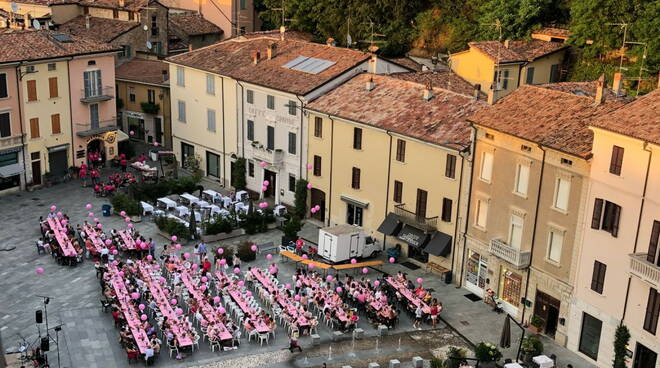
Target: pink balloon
<point>329,278</point>
<point>39,271</point>
<point>166,292</point>
<point>130,226</point>
<point>420,280</point>
<point>205,279</point>
<point>99,226</point>
<point>141,307</point>
<point>96,219</point>
<point>202,288</point>
<point>221,309</point>
<point>150,258</point>
<point>173,301</point>
<point>53,208</point>
<point>297,297</point>
<point>392,259</point>
<point>241,283</point>
<point>365,270</point>
<point>88,206</point>
<point>122,213</point>
<point>144,317</point>
<point>338,289</point>
<point>91,214</point>
<point>131,132</point>
<point>115,252</point>
<point>220,250</point>
<point>156,144</point>
<point>216,300</point>
<point>263,205</point>
<point>248,293</point>
<point>186,255</point>
<point>310,166</point>
<point>237,270</point>
<point>310,266</point>
<point>177,246</point>
<point>108,241</point>
<point>262,164</point>
<point>59,214</point>
<point>263,189</point>
<point>223,261</point>
<point>64,222</point>
<point>305,256</point>
<point>266,183</point>
<point>135,295</point>
<point>309,186</point>
<point>312,210</point>
<point>254,247</point>
<point>377,283</point>
<point>174,238</point>
<point>179,311</point>
<point>127,219</point>
<point>162,279</point>
<point>194,266</point>
<point>269,256</point>
<point>353,261</point>
<point>287,286</point>
<point>272,271</point>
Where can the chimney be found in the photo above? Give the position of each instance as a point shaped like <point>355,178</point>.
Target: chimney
<point>255,57</point>
<point>491,96</point>
<point>282,30</point>
<point>600,90</point>
<point>428,92</point>
<point>190,47</point>
<point>370,84</point>
<point>122,3</point>
<point>658,80</point>
<point>164,73</point>
<point>331,42</point>
<point>506,43</point>
<point>616,84</point>
<point>477,89</point>
<point>270,50</point>
<point>87,21</point>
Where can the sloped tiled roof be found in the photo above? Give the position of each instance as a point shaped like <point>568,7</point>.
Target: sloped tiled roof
<point>100,29</point>
<point>132,5</point>
<point>554,32</point>
<point>192,24</point>
<point>444,79</point>
<point>554,115</point>
<point>398,105</point>
<point>144,70</point>
<point>233,58</point>
<point>408,63</point>
<point>639,119</point>
<point>38,45</point>
<point>518,51</point>
<point>275,34</point>
<point>45,2</point>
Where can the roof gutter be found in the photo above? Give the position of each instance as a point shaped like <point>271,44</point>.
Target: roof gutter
<point>242,122</point>
<point>302,115</point>
<point>20,120</point>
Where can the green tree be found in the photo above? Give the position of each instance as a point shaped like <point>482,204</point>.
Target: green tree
<point>238,174</point>
<point>621,338</point>
<point>300,200</point>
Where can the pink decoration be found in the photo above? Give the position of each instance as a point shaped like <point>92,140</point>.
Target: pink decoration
<point>121,273</point>
<point>377,283</point>
<point>135,295</point>
<point>96,219</point>
<point>115,252</point>
<point>297,297</point>
<point>263,205</point>
<point>131,132</point>
<point>174,238</point>
<point>39,271</point>
<point>237,270</point>
<point>310,166</point>
<point>156,144</point>
<point>318,208</point>
<point>144,317</point>
<point>59,214</point>
<point>156,267</point>
<point>272,271</point>
<point>262,164</point>
<point>248,293</point>
<point>108,241</point>
<point>269,256</point>
<point>130,226</point>
<point>310,266</point>
<point>266,183</point>
<point>179,311</point>
<point>162,279</point>
<point>99,226</point>
<point>127,219</point>
<point>220,250</point>
<point>186,255</point>
<point>64,222</point>
<point>312,210</point>
<point>287,286</point>
<point>353,261</point>
<point>254,247</point>
<point>122,213</point>
<point>305,256</point>
<point>338,289</point>
<point>221,309</point>
<point>53,208</point>
<point>241,283</point>
<point>141,307</point>
<point>91,214</point>
<point>309,186</point>
<point>392,259</point>
<point>114,263</point>
<point>194,266</point>
<point>177,246</point>
<point>223,262</point>
<point>173,301</point>
<point>205,279</point>
<point>202,288</point>
<point>88,206</point>
<point>420,280</point>
<point>329,278</point>
<point>150,258</point>
<point>263,189</point>
<point>365,270</point>
<point>216,300</point>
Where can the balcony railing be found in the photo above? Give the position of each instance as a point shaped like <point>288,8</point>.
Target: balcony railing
<point>274,157</point>
<point>411,218</point>
<point>91,95</point>
<point>91,128</point>
<point>644,269</point>
<point>14,140</point>
<point>516,257</point>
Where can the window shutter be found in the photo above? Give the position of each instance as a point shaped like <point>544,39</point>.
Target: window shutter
<point>653,243</point>
<point>398,191</point>
<point>55,124</point>
<point>598,213</point>
<point>32,90</point>
<point>357,138</point>
<point>446,209</point>
<point>317,165</point>
<point>5,125</point>
<point>652,311</point>
<point>99,83</point>
<point>616,161</point>
<point>52,87</point>
<point>355,178</point>
<point>3,86</point>
<point>616,216</point>
<point>450,168</point>
<point>270,138</point>
<point>34,128</point>
<point>420,209</point>
<point>250,130</point>
<point>598,277</point>
<point>87,84</point>
<point>292,143</point>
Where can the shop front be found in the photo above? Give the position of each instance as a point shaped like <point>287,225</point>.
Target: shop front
<point>104,144</point>
<point>510,287</point>
<point>11,168</point>
<point>419,244</point>
<point>476,272</point>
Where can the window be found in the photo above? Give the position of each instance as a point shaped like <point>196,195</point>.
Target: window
<point>125,51</point>
<point>94,115</point>
<point>525,148</point>
<point>482,213</point>
<point>501,79</point>
<point>420,205</point>
<point>151,96</point>
<point>450,167</point>
<point>355,178</point>
<point>182,111</point>
<point>317,165</point>
<point>52,67</point>
<point>522,179</point>
<point>398,191</point>
<point>4,91</point>
<point>617,160</point>
<point>5,125</point>
<point>446,210</point>
<point>210,118</point>
<point>554,73</point>
<point>653,244</point>
<point>401,150</point>
<point>249,96</point>
<point>251,169</point>
<point>606,216</point>
<point>353,214</point>
<point>52,87</point>
<point>530,75</point>
<point>486,166</point>
<point>10,158</point>
<point>270,102</point>
<point>93,83</point>
<point>562,193</point>
<point>652,311</point>
<point>34,128</point>
<point>292,143</point>
<point>242,4</point>
<point>55,124</point>
<point>212,164</point>
<point>270,137</point>
<point>131,15</point>
<point>489,136</point>
<point>115,13</point>
<point>32,90</point>
<point>30,69</point>
<point>154,25</point>
<point>187,150</point>
<point>91,62</point>
<point>180,76</point>
<point>357,138</point>
<point>566,161</point>
<point>292,183</point>
<point>131,94</point>
<point>157,47</point>
<point>293,108</point>
<point>516,231</point>
<point>86,11</point>
<point>210,84</point>
<point>590,336</point>
<point>250,130</point>
<point>598,277</point>
<point>555,243</point>
<point>318,127</point>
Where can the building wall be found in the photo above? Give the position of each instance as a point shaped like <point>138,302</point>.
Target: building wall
<point>135,109</point>
<point>65,12</point>
<point>217,12</point>
<point>35,11</point>
<point>477,68</point>
<point>16,139</point>
<point>542,67</point>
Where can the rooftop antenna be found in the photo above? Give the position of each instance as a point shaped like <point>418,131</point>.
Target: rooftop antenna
<point>372,42</point>
<point>349,39</point>
<point>284,18</point>
<point>642,69</point>
<point>498,25</point>
<point>623,44</point>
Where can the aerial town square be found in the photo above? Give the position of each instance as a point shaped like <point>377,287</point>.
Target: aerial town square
<point>330,183</point>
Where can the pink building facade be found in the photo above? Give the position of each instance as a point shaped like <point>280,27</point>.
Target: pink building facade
<point>12,138</point>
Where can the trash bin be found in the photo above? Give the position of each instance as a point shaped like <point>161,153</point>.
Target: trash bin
<point>106,210</point>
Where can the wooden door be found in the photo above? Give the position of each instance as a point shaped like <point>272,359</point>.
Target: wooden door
<point>36,172</point>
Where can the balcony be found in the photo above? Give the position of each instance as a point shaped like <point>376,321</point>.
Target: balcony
<point>411,218</point>
<point>14,140</point>
<point>92,95</point>
<point>644,269</point>
<point>272,157</point>
<point>518,258</point>
<point>89,129</point>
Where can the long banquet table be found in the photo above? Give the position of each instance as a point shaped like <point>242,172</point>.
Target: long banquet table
<point>60,235</point>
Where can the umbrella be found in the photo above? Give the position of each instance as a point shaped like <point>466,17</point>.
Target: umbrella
<point>193,222</point>
<point>505,339</point>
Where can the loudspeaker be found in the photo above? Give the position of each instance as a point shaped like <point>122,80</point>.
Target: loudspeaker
<point>45,343</point>
<point>39,316</point>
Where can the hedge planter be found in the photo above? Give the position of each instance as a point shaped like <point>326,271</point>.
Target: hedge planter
<point>249,258</point>
<point>136,218</point>
<point>222,236</point>
<point>169,238</point>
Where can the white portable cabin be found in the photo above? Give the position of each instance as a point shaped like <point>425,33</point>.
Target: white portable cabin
<point>343,242</point>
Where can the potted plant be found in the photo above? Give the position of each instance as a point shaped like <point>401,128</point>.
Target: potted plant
<point>536,324</point>
<point>245,252</point>
<point>487,353</point>
<point>291,229</point>
<point>531,347</point>
<point>455,356</point>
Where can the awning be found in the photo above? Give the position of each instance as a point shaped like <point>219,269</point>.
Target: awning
<point>413,236</point>
<point>439,245</point>
<point>11,170</point>
<point>121,136</point>
<point>391,225</point>
<point>60,147</point>
<point>356,202</point>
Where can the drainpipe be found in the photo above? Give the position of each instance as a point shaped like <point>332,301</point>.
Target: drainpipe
<point>302,113</point>
<point>473,150</point>
<point>224,150</point>
<point>332,148</point>
<point>73,148</point>
<point>387,191</point>
<point>20,119</point>
<point>458,208</point>
<point>536,219</point>
<point>639,223</point>
<point>241,122</point>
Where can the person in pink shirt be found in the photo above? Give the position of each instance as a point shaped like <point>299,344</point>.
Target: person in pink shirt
<point>82,174</point>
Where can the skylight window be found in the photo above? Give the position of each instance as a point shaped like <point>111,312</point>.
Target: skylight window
<point>308,64</point>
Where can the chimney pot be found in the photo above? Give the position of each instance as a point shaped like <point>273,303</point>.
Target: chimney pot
<point>270,50</point>
<point>282,30</point>
<point>507,43</point>
<point>122,3</point>
<point>87,21</point>
<point>600,90</point>
<point>330,42</point>
<point>428,92</point>
<point>255,57</point>
<point>491,96</point>
<point>370,84</point>
<point>190,47</point>
<point>477,89</point>
<point>616,84</point>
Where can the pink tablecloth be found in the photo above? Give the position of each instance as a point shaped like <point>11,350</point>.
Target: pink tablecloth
<point>94,237</point>
<point>60,235</point>
<point>127,239</point>
<point>286,303</point>
<point>403,290</point>
<point>240,300</point>
<point>129,312</point>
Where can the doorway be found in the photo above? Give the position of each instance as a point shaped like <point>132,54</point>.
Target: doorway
<point>57,160</point>
<point>547,309</point>
<point>318,199</point>
<point>96,146</point>
<point>36,168</point>
<point>272,184</point>
<point>476,275</point>
<point>644,357</point>
<point>158,128</point>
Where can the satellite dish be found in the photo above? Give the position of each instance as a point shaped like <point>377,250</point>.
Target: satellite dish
<point>14,7</point>
<point>36,24</point>
<point>149,45</point>
<point>145,27</point>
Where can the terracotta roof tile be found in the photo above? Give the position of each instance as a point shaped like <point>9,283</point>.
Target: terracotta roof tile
<point>132,5</point>
<point>143,70</point>
<point>639,119</point>
<point>37,45</point>
<point>554,115</point>
<point>442,79</point>
<point>46,2</point>
<point>275,34</point>
<point>398,105</point>
<point>233,58</point>
<point>408,63</point>
<point>553,31</point>
<point>517,51</point>
<point>100,29</point>
<point>192,24</point>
